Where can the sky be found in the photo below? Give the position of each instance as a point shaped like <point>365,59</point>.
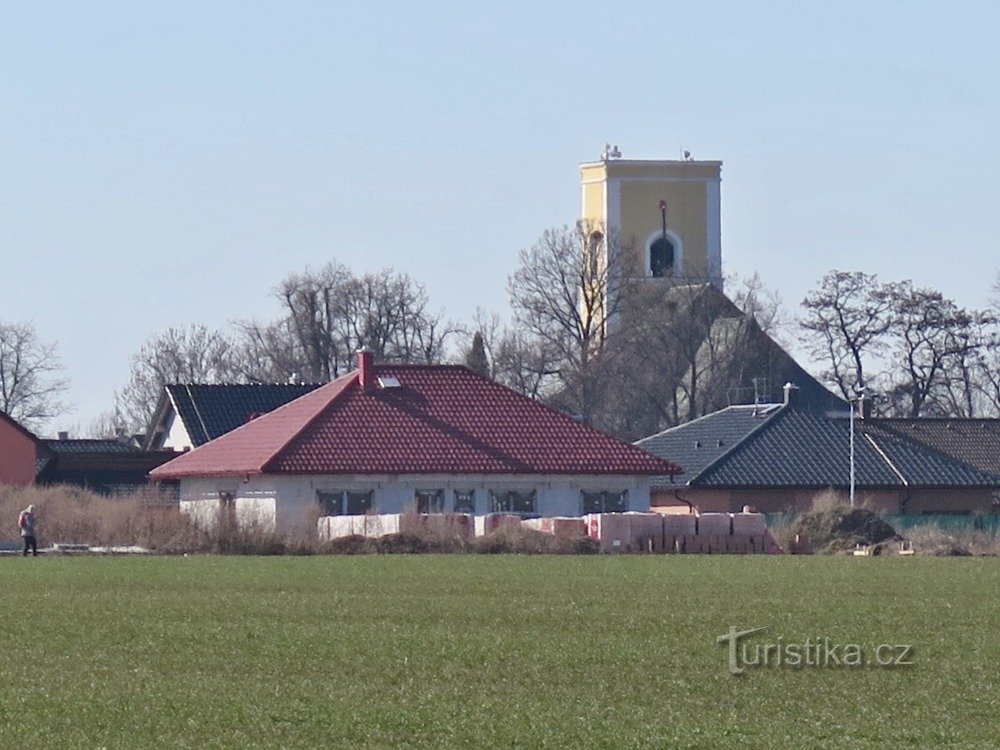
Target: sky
<point>163,164</point>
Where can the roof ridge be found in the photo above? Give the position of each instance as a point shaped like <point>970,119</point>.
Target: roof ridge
<point>348,378</point>
<point>769,419</point>
<point>885,457</point>
<point>690,422</point>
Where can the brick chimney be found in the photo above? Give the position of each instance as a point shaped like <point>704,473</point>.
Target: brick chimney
<point>366,368</point>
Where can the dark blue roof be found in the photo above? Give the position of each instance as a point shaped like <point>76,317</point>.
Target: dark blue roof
<point>209,411</point>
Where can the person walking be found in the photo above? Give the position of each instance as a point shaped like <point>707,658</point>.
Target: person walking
<point>27,522</point>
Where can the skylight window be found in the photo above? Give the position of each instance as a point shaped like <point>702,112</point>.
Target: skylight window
<point>388,381</point>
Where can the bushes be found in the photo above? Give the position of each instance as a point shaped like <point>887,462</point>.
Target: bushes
<point>73,515</point>
<point>831,526</point>
<point>932,540</point>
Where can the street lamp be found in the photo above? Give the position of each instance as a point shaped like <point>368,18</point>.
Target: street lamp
<point>859,393</point>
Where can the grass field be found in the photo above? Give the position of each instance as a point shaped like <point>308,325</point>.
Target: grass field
<point>474,651</point>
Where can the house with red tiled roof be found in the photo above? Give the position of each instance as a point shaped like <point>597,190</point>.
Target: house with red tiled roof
<point>423,438</point>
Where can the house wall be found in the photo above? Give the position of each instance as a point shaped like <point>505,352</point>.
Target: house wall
<point>288,503</point>
<point>177,437</point>
<point>969,500</point>
<point>17,456</point>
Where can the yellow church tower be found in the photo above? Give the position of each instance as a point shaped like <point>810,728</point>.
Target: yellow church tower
<point>665,214</point>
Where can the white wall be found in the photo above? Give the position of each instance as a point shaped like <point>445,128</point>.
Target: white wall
<point>177,437</point>
<point>289,502</point>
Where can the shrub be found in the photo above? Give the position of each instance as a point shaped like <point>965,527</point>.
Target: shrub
<point>521,541</point>
<point>832,527</point>
<point>932,540</point>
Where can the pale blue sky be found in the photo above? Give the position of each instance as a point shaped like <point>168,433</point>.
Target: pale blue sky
<point>168,163</point>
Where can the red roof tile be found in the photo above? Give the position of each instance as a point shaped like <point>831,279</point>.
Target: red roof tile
<point>442,419</point>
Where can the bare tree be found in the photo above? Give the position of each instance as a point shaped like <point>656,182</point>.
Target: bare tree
<point>327,315</point>
<point>846,322</point>
<point>932,342</point>
<point>178,355</point>
<point>756,300</point>
<point>566,297</point>
<point>31,385</point>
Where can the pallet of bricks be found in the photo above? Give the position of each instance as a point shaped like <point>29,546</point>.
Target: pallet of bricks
<point>377,525</point>
<point>707,533</point>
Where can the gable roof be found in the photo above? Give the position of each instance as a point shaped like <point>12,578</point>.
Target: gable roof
<point>973,441</point>
<point>706,438</point>
<point>803,447</point>
<point>442,419</point>
<point>208,411</point>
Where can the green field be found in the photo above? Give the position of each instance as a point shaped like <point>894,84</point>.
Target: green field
<point>481,651</point>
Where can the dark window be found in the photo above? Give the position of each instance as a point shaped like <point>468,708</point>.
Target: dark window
<point>604,502</point>
<point>512,501</point>
<point>661,258</point>
<point>465,501</point>
<point>344,503</point>
<point>429,501</point>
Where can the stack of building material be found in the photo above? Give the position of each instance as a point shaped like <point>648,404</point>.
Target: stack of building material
<point>492,521</point>
<point>714,530</point>
<point>334,527</point>
<point>611,531</point>
<point>446,524</point>
<point>564,526</point>
<point>626,532</point>
<point>646,532</point>
<point>377,525</point>
<point>679,533</point>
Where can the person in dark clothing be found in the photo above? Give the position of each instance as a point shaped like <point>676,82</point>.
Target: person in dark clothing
<point>27,522</point>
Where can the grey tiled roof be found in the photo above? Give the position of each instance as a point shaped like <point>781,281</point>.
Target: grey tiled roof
<point>88,445</point>
<point>800,447</point>
<point>698,443</point>
<point>973,441</point>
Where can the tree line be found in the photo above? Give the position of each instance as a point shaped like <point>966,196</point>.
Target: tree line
<point>586,332</point>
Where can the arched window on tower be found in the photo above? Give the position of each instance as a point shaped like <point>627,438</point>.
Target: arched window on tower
<point>661,258</point>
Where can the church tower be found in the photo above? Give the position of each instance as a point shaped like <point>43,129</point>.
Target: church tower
<point>666,215</point>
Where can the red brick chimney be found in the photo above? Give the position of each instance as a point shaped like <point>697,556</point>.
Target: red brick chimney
<point>366,368</point>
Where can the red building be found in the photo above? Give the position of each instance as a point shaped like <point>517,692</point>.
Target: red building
<point>19,450</point>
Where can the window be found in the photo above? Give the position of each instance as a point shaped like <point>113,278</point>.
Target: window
<point>661,258</point>
<point>604,502</point>
<point>344,502</point>
<point>512,501</point>
<point>465,501</point>
<point>429,501</point>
